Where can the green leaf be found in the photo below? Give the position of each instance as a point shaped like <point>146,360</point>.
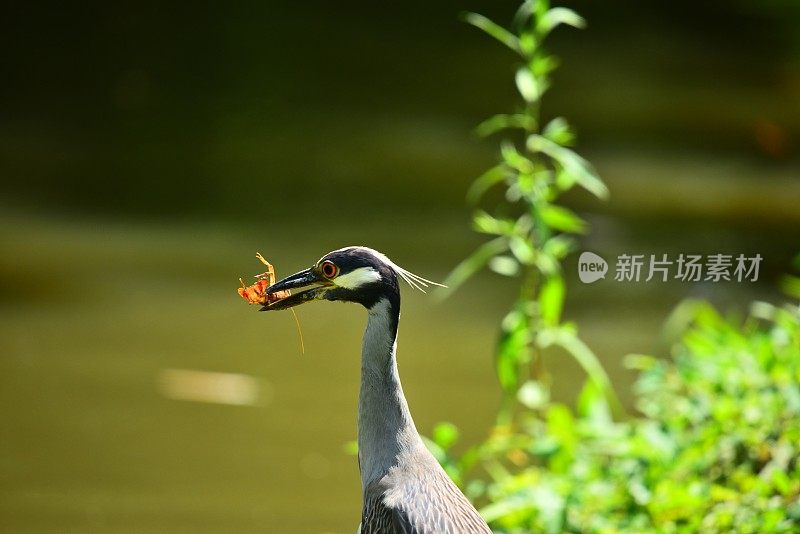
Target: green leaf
<point>486,181</point>
<point>781,481</point>
<point>523,14</point>
<point>592,404</point>
<point>504,265</point>
<point>506,506</point>
<point>487,224</point>
<point>507,369</point>
<point>528,43</point>
<point>476,261</point>
<point>559,246</point>
<point>559,131</point>
<point>572,163</point>
<point>494,30</point>
<point>528,85</point>
<point>561,218</point>
<point>547,264</point>
<point>542,65</point>
<point>445,434</point>
<point>551,300</point>
<point>502,121</point>
<point>550,505</point>
<point>561,424</point>
<point>640,362</point>
<point>523,225</point>
<point>514,159</point>
<point>523,250</point>
<point>533,395</point>
<point>512,350</point>
<point>557,16</point>
<point>565,180</point>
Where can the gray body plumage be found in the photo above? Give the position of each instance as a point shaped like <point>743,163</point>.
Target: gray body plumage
<point>405,489</point>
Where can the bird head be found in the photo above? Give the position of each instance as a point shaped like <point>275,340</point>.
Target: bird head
<point>351,274</point>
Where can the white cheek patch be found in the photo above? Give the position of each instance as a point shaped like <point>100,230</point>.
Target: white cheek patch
<point>357,278</point>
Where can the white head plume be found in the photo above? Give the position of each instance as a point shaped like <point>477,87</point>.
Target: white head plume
<point>414,280</point>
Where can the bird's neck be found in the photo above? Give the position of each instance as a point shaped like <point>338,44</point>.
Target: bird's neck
<point>385,428</point>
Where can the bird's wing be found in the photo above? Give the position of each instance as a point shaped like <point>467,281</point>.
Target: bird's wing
<point>378,518</point>
<point>433,506</point>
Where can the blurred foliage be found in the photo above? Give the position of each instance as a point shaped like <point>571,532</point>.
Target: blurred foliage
<point>716,450</point>
<point>716,446</point>
<point>531,233</point>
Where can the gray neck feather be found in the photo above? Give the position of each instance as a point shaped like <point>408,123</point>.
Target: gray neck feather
<point>386,432</point>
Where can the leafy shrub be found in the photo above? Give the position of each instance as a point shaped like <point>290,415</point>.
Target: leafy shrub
<point>717,450</point>
<point>726,419</point>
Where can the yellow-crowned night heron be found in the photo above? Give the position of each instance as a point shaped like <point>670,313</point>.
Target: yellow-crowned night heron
<point>405,490</point>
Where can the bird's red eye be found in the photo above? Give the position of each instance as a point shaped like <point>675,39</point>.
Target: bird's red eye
<point>329,269</point>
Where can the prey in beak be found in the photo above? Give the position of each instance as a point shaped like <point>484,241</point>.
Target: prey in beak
<point>317,286</point>
<point>265,293</point>
<point>278,296</point>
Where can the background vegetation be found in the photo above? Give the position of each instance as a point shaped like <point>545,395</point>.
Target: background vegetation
<point>715,447</point>
<point>147,151</point>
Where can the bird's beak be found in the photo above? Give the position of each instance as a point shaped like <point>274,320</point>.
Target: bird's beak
<point>298,280</point>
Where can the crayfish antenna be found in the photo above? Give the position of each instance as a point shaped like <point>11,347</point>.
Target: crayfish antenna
<point>299,331</point>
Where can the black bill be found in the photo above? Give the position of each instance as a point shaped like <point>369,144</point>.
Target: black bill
<point>296,281</point>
